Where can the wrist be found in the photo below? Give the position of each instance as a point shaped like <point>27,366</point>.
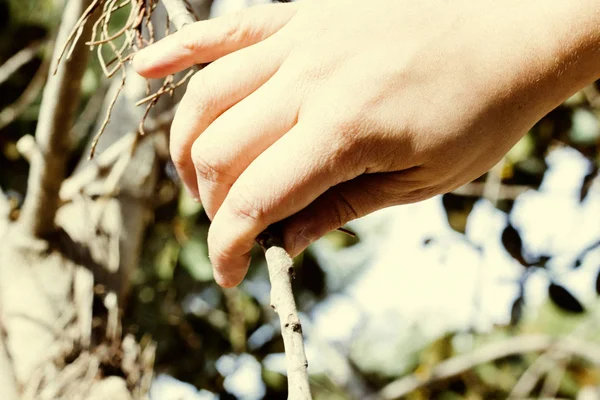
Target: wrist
<point>572,31</point>
<point>541,52</point>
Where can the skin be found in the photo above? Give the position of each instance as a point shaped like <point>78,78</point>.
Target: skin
<point>318,112</point>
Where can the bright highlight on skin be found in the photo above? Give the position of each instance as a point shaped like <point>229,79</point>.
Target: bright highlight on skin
<point>319,112</point>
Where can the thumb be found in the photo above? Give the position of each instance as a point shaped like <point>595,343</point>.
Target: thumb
<point>348,201</point>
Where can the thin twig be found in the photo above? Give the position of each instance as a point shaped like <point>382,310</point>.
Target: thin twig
<point>165,89</point>
<point>506,192</point>
<point>548,361</point>
<point>13,64</point>
<point>517,345</point>
<point>89,114</point>
<point>554,379</point>
<point>77,182</point>
<point>281,272</point>
<point>122,30</point>
<point>75,33</point>
<point>5,207</point>
<point>9,114</point>
<point>530,378</point>
<point>107,117</point>
<point>346,231</point>
<point>59,102</point>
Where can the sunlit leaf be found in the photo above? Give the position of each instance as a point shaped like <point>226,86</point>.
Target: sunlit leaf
<point>585,129</point>
<point>516,312</point>
<point>564,300</point>
<point>187,206</point>
<point>194,258</point>
<point>587,183</point>
<point>542,261</point>
<point>511,239</point>
<point>522,150</point>
<point>166,260</point>
<point>458,209</point>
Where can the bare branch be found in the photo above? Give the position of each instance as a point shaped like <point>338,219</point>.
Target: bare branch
<point>13,64</point>
<point>463,363</point>
<point>529,379</point>
<point>505,192</point>
<point>13,111</point>
<point>281,270</point>
<point>4,206</point>
<point>59,102</point>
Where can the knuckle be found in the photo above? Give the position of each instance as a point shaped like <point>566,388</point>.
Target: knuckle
<point>236,28</point>
<point>207,166</point>
<point>199,97</point>
<point>305,66</point>
<point>344,145</point>
<point>345,211</point>
<point>189,41</point>
<point>197,88</point>
<point>244,206</point>
<point>180,161</point>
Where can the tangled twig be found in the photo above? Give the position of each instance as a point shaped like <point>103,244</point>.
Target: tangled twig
<point>10,113</point>
<point>115,46</point>
<point>18,60</point>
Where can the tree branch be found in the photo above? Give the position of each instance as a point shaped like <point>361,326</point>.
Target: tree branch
<point>504,192</point>
<point>59,102</point>
<point>463,363</point>
<point>4,206</point>
<point>10,113</point>
<point>13,64</point>
<point>179,13</point>
<point>281,271</point>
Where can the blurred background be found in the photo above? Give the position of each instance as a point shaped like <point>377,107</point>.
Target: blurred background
<point>484,293</point>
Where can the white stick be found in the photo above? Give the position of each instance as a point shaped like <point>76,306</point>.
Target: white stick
<point>281,270</point>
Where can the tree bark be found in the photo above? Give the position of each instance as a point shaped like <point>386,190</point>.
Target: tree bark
<point>59,102</point>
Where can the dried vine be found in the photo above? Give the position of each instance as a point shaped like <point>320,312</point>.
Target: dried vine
<point>132,37</point>
<point>115,46</point>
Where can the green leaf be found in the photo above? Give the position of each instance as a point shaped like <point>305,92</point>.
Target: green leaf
<point>585,129</point>
<point>166,259</point>
<point>522,149</point>
<point>188,207</point>
<point>194,258</point>
<point>564,300</point>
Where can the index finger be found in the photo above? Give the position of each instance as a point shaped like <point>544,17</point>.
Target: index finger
<point>284,179</point>
<point>205,41</point>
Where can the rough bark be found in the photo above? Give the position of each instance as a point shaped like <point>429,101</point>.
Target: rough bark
<point>59,101</point>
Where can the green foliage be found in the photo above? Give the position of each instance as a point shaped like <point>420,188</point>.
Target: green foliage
<point>39,12</point>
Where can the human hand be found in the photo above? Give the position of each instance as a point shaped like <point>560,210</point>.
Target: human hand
<point>320,112</point>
